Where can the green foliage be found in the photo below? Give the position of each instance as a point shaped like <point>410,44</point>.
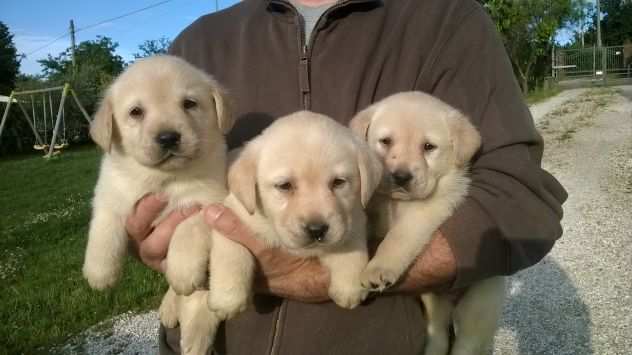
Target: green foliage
<point>153,47</point>
<point>528,28</point>
<point>97,64</point>
<point>44,215</point>
<point>99,55</point>
<point>616,25</point>
<point>9,63</point>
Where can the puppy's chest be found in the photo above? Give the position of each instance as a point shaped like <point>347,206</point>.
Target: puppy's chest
<point>184,194</point>
<point>385,212</point>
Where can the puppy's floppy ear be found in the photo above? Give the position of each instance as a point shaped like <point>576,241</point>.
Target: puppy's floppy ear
<point>242,177</point>
<point>361,122</point>
<point>465,137</point>
<point>223,108</point>
<point>101,125</point>
<point>370,168</point>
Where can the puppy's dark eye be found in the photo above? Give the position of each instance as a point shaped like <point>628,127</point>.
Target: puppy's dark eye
<point>338,183</point>
<point>386,141</point>
<point>189,104</point>
<point>136,112</point>
<point>429,147</point>
<point>284,186</point>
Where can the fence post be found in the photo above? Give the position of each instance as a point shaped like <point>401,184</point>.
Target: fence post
<point>594,62</point>
<point>604,64</point>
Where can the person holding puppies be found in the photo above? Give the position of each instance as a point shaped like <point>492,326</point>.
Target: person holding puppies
<point>336,58</point>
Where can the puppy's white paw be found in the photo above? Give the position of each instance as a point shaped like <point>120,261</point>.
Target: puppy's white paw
<point>194,342</point>
<point>378,278</point>
<point>168,314</point>
<point>348,296</point>
<point>227,305</point>
<point>186,277</point>
<point>100,277</point>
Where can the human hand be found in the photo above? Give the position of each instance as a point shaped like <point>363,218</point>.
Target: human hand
<point>150,243</point>
<point>279,273</point>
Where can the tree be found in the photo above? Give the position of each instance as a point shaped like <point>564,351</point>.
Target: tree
<point>9,63</point>
<point>153,47</point>
<point>97,65</point>
<point>616,25</point>
<point>528,28</point>
<point>98,54</point>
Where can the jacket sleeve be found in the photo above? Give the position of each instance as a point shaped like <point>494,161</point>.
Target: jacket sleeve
<point>511,217</point>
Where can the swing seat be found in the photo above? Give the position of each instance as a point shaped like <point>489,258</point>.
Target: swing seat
<point>40,147</point>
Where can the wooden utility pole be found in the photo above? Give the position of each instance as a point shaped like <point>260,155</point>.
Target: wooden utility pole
<point>72,47</point>
<point>598,24</point>
<point>604,51</point>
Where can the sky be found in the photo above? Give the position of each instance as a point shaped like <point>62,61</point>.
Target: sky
<point>35,23</point>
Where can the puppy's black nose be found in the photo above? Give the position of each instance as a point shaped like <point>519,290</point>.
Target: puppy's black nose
<point>168,139</point>
<point>401,177</point>
<point>316,231</point>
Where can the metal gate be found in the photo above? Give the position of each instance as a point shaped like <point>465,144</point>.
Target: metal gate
<point>596,65</point>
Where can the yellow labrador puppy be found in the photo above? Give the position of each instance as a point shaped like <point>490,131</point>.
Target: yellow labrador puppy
<point>302,186</point>
<point>161,125</point>
<point>425,146</point>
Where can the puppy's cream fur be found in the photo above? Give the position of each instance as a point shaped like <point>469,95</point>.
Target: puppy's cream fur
<point>425,146</point>
<point>153,96</point>
<point>304,169</point>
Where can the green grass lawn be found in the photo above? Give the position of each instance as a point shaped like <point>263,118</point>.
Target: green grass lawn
<point>539,95</point>
<point>44,216</point>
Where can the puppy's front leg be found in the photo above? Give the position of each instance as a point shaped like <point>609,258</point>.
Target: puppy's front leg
<point>232,269</point>
<point>401,246</point>
<point>106,249</point>
<point>198,324</point>
<point>187,259</point>
<point>345,267</point>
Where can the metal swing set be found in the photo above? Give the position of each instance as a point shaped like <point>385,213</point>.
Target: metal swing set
<point>58,140</point>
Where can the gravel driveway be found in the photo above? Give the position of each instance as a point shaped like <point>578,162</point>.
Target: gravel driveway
<point>578,300</point>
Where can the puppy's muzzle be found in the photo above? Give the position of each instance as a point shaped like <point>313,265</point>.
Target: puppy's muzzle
<point>168,140</point>
<point>316,231</point>
<point>401,178</point>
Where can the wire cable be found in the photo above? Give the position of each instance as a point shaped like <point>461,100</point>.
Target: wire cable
<point>66,34</point>
<point>122,16</point>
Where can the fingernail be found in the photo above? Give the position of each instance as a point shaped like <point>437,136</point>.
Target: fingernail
<point>190,210</point>
<point>161,196</point>
<point>213,212</point>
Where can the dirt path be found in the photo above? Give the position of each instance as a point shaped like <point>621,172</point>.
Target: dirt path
<point>578,300</point>
<point>542,108</point>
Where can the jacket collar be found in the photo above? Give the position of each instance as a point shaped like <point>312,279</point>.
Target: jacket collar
<point>284,5</point>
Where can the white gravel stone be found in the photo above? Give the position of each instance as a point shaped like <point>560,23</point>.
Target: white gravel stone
<point>126,334</point>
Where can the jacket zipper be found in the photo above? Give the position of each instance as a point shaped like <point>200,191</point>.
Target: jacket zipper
<point>280,315</point>
<point>304,85</point>
<point>306,52</point>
